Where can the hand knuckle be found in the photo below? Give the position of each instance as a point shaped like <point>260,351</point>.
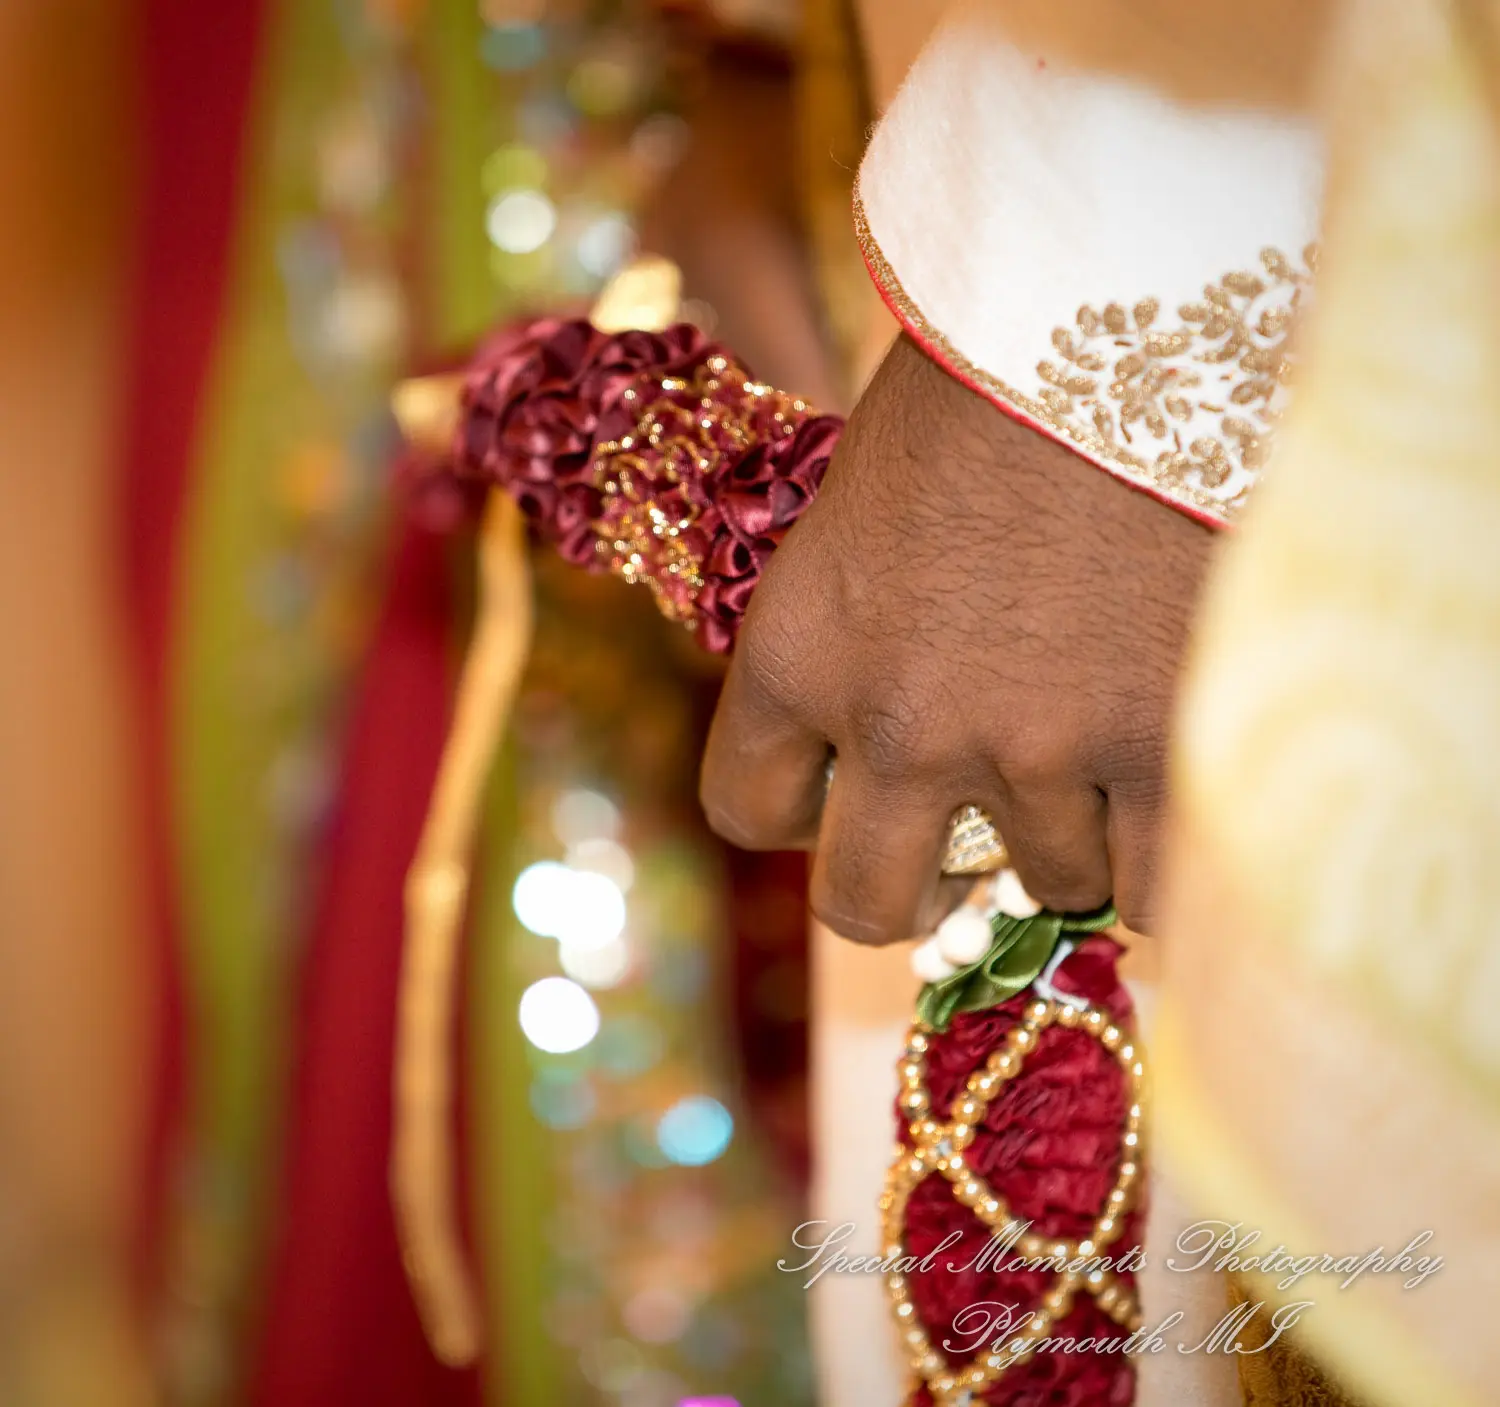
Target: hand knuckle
<point>857,924</point>
<point>1134,758</point>
<point>891,732</point>
<point>725,801</point>
<point>1135,910</point>
<point>724,818</point>
<point>765,659</point>
<point>1067,892</point>
<point>1039,758</point>
<point>1135,883</point>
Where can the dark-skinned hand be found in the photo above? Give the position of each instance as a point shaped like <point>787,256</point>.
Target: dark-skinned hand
<point>968,613</point>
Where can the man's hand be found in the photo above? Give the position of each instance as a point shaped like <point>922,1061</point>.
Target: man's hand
<point>969,613</point>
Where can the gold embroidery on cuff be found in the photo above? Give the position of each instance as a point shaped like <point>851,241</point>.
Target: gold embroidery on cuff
<point>1185,411</point>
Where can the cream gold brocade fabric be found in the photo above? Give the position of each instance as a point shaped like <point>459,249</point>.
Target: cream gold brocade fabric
<point>1338,764</point>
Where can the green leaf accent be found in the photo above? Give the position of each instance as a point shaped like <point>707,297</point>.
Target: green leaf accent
<point>1020,952</point>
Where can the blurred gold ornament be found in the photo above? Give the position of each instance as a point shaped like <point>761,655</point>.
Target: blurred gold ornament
<point>437,885</point>
<point>645,294</point>
<point>428,411</point>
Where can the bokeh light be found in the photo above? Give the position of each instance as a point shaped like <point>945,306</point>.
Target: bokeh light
<point>520,221</point>
<point>599,968</point>
<point>657,1314</point>
<point>612,1365</point>
<point>659,142</point>
<point>548,119</point>
<point>362,317</point>
<point>558,1016</point>
<point>538,893</point>
<point>581,814</point>
<point>580,908</point>
<point>563,1103</point>
<point>606,857</point>
<point>605,244</point>
<point>510,48</point>
<point>639,1143</point>
<point>601,86</point>
<point>594,915</point>
<point>513,167</point>
<point>695,1131</point>
<point>629,1046</point>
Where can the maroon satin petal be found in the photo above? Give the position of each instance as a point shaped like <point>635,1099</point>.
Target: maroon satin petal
<point>748,514</point>
<point>540,396</point>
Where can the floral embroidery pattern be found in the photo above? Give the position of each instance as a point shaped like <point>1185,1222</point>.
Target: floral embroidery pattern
<point>1196,401</point>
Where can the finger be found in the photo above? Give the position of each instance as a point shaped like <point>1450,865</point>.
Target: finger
<point>1055,835</point>
<point>1135,829</point>
<point>875,877</point>
<point>953,890</point>
<point>762,779</point>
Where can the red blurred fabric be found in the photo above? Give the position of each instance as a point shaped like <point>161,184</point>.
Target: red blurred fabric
<point>339,1322</point>
<point>196,67</point>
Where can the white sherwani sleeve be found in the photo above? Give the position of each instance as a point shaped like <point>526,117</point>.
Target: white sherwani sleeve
<point>1106,263</point>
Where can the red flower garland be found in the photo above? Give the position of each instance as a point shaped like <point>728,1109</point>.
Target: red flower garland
<point>540,403</point>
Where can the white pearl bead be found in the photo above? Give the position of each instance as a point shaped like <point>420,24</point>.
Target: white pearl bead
<point>1010,898</point>
<point>928,962</point>
<point>964,936</point>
